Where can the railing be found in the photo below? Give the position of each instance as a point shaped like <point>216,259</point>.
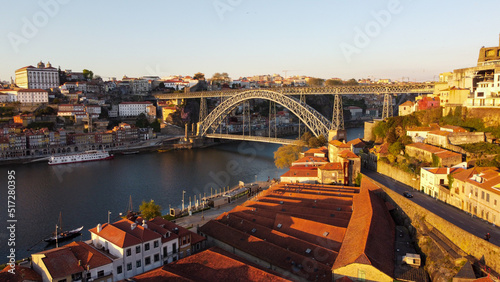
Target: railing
<point>253,138</point>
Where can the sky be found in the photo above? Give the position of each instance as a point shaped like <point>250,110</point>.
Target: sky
<point>398,39</point>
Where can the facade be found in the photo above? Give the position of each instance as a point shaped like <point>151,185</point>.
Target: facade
<point>40,77</point>
<point>301,174</point>
<point>133,109</point>
<point>477,191</point>
<point>431,154</point>
<point>487,93</point>
<point>406,108</point>
<point>136,248</point>
<point>434,179</point>
<point>331,173</point>
<point>32,96</point>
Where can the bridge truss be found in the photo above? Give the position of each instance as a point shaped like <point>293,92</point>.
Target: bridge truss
<point>316,122</point>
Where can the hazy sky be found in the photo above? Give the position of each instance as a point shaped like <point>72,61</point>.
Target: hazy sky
<point>346,39</point>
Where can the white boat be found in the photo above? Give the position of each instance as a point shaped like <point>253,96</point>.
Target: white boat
<point>87,156</point>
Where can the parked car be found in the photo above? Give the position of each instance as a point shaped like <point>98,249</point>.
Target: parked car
<point>407,194</point>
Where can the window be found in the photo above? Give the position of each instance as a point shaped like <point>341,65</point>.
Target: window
<point>174,246</point>
<point>119,269</point>
<point>137,249</point>
<point>487,197</point>
<point>441,181</point>
<point>495,202</point>
<point>482,195</point>
<point>147,261</point>
<point>129,252</point>
<point>146,247</point>
<point>156,244</point>
<point>157,257</point>
<point>89,275</point>
<point>138,263</point>
<point>100,273</point>
<point>129,266</point>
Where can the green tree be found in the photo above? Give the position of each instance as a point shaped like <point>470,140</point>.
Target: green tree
<point>391,135</point>
<point>313,142</point>
<point>88,74</point>
<point>142,121</point>
<point>149,210</point>
<point>306,136</point>
<point>357,180</point>
<point>199,76</point>
<point>156,126</point>
<point>286,155</point>
<point>396,148</point>
<point>220,78</point>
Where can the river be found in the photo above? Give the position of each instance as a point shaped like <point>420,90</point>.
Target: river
<point>85,192</point>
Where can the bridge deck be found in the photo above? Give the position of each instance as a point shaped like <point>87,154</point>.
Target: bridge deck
<point>419,88</point>
<point>253,138</point>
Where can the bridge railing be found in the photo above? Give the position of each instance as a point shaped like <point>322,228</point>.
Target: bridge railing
<point>252,138</point>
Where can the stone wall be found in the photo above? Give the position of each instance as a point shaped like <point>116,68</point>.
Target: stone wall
<point>469,243</point>
<point>399,175</point>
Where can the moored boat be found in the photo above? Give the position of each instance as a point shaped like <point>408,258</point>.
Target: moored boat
<point>87,156</point>
<point>65,235</point>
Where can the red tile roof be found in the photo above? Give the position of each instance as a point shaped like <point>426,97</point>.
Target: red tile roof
<point>61,262</point>
<point>444,170</point>
<point>213,264</point>
<point>21,273</point>
<point>357,143</point>
<point>426,147</point>
<point>311,160</point>
<point>332,166</point>
<point>347,154</point>
<point>122,235</point>
<point>301,171</point>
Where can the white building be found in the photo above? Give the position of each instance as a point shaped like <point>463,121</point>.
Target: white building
<point>137,248</point>
<point>26,96</point>
<point>133,109</point>
<point>41,77</point>
<point>487,94</point>
<point>431,178</point>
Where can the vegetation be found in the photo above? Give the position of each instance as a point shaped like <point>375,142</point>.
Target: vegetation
<point>220,78</point>
<point>199,76</point>
<point>333,82</point>
<point>88,74</point>
<point>286,155</point>
<point>7,111</point>
<point>150,210</point>
<point>155,125</point>
<point>357,180</point>
<point>481,148</point>
<point>142,121</point>
<point>315,81</point>
<point>312,141</point>
<point>45,111</point>
<point>41,124</point>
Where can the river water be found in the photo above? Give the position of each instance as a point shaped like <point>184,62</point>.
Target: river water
<point>85,192</point>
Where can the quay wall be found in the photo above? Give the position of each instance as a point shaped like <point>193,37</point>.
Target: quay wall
<point>401,176</point>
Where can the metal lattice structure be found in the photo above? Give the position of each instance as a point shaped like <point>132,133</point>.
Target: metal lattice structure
<point>338,113</point>
<point>418,88</point>
<point>316,122</point>
<point>387,110</point>
<point>203,108</point>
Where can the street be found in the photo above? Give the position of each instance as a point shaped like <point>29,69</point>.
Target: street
<point>455,216</point>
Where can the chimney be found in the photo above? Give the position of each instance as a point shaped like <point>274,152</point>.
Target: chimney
<point>144,224</point>
<point>447,170</point>
<point>99,228</point>
<point>133,226</point>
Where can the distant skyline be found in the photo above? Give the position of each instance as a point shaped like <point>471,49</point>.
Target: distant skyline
<point>414,40</point>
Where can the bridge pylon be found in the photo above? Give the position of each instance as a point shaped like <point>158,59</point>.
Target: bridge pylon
<point>387,110</point>
<point>337,130</point>
<point>203,109</point>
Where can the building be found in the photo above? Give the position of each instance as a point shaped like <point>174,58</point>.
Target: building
<point>432,154</point>
<point>406,108</point>
<point>477,191</point>
<point>427,102</point>
<point>316,152</point>
<point>76,261</point>
<point>310,161</point>
<point>419,134</point>
<point>309,232</point>
<point>133,109</point>
<point>356,112</point>
<point>136,248</point>
<point>40,77</point>
<point>331,173</point>
<point>434,181</point>
<point>301,174</point>
<point>215,265</point>
<point>32,96</point>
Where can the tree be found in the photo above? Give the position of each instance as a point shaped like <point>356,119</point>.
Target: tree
<point>156,126</point>
<point>199,76</point>
<point>314,142</point>
<point>396,148</point>
<point>315,81</point>
<point>88,74</point>
<point>287,154</point>
<point>351,81</point>
<point>220,78</point>
<point>306,136</point>
<point>149,209</point>
<point>142,121</point>
<point>333,82</point>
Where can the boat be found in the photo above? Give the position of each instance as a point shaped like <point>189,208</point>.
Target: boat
<point>87,156</point>
<point>60,235</point>
<point>130,152</point>
<point>163,150</point>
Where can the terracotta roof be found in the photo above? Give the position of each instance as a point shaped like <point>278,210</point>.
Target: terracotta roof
<point>322,150</point>
<point>21,273</point>
<point>448,154</point>
<point>357,143</point>
<point>426,147</point>
<point>301,172</point>
<point>347,154</point>
<point>332,166</point>
<point>339,144</point>
<point>454,128</point>
<point>213,264</point>
<point>444,170</point>
<point>407,103</point>
<point>440,132</point>
<point>311,160</point>
<point>61,262</point>
<point>122,235</point>
<point>129,103</point>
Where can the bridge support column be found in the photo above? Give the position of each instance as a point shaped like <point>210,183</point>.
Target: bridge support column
<point>198,129</point>
<point>337,134</point>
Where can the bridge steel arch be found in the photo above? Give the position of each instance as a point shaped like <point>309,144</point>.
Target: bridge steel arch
<point>315,121</point>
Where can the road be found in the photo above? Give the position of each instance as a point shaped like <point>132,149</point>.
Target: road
<point>458,217</point>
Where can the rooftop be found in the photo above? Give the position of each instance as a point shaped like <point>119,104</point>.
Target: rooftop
<point>292,225</point>
<point>125,233</point>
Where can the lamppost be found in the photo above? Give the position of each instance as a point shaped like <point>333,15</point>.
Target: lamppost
<point>109,213</point>
<point>183,192</point>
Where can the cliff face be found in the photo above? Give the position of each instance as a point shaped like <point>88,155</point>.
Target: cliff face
<point>490,116</point>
